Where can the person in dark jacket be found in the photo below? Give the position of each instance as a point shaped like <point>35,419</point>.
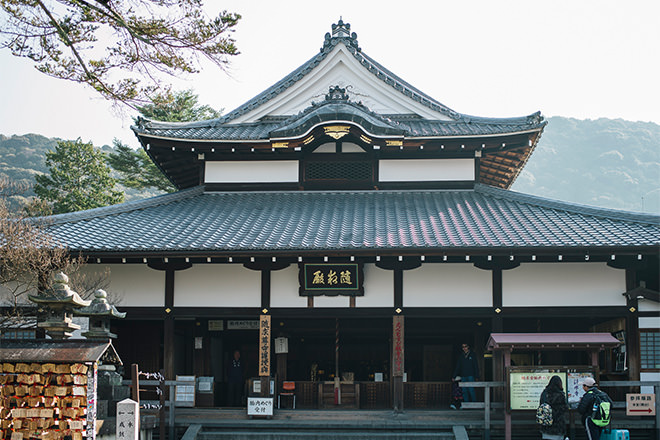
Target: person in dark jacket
<point>554,395</point>
<point>467,368</point>
<point>235,380</point>
<point>586,407</point>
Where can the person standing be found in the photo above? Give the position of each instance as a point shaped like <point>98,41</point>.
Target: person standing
<point>235,380</point>
<point>554,395</point>
<point>586,407</point>
<point>467,368</point>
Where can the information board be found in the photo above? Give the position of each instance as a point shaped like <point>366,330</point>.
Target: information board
<point>575,391</point>
<point>640,404</point>
<point>525,387</point>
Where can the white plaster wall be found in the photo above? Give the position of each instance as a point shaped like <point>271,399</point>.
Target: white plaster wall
<point>653,376</point>
<point>332,301</point>
<point>342,69</point>
<point>645,305</point>
<point>217,285</point>
<point>563,284</point>
<point>284,288</point>
<point>346,147</point>
<point>250,172</point>
<point>418,170</point>
<point>648,322</point>
<point>378,288</point>
<point>133,285</point>
<point>447,285</point>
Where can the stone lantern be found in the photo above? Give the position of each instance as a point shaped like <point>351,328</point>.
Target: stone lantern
<point>100,312</point>
<point>59,303</point>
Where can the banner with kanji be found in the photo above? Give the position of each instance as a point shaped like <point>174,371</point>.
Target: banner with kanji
<point>264,345</point>
<point>397,342</point>
<point>331,279</point>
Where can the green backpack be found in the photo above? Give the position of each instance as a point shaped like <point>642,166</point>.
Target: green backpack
<point>601,409</point>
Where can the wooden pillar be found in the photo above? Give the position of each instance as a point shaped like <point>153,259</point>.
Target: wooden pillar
<point>632,328</point>
<point>398,364</point>
<point>497,326</point>
<point>168,326</point>
<point>507,411</point>
<point>398,358</point>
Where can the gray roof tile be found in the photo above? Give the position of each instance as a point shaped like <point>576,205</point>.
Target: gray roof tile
<point>484,218</point>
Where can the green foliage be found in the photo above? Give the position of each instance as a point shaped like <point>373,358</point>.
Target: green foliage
<point>179,106</point>
<point>136,169</point>
<point>119,47</point>
<point>79,179</point>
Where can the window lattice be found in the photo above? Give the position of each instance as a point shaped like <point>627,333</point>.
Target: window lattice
<point>649,349</point>
<point>340,170</point>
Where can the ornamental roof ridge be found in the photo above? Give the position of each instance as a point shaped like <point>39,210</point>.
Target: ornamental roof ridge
<point>337,97</point>
<point>340,34</point>
<point>577,208</point>
<point>106,211</point>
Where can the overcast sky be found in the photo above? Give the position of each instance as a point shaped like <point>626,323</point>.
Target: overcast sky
<point>577,58</point>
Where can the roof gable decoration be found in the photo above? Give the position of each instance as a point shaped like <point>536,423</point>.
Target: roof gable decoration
<point>341,62</point>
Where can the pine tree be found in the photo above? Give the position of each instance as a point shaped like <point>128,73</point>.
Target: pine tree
<point>117,47</point>
<point>135,167</point>
<point>79,178</point>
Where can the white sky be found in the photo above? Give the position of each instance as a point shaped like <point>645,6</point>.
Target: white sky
<point>576,58</point>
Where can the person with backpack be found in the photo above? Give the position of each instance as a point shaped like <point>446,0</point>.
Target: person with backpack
<point>594,408</point>
<point>554,395</point>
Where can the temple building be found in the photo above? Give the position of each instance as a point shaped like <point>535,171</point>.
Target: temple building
<point>342,202</point>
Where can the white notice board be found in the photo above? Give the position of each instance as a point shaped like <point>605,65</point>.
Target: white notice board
<point>525,387</point>
<point>184,395</point>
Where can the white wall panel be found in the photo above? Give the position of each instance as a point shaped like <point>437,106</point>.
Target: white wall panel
<point>251,172</point>
<point>378,288</point>
<point>447,285</point>
<point>563,285</point>
<point>646,305</point>
<point>650,377</point>
<point>332,301</point>
<point>132,285</point>
<point>422,170</point>
<point>648,322</point>
<point>284,288</point>
<point>217,285</point>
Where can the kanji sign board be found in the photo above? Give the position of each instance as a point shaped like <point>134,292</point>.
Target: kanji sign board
<point>640,404</point>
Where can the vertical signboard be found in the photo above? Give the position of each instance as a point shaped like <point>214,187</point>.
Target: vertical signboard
<point>92,378</point>
<point>264,345</point>
<point>397,338</point>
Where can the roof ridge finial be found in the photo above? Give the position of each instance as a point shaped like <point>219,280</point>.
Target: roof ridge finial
<point>341,29</point>
<point>340,32</point>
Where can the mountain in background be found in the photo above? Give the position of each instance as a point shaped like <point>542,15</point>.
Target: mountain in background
<point>610,163</point>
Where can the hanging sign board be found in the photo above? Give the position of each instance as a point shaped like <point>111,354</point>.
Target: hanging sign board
<point>281,345</point>
<point>640,404</point>
<point>397,342</point>
<point>331,279</point>
<point>264,345</point>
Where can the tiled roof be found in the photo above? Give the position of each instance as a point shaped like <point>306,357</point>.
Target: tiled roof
<point>485,218</point>
<point>346,111</point>
<point>223,128</point>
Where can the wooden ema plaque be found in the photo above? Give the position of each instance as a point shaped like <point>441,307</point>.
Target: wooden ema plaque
<point>44,401</point>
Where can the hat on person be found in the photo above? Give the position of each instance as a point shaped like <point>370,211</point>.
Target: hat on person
<point>589,382</point>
